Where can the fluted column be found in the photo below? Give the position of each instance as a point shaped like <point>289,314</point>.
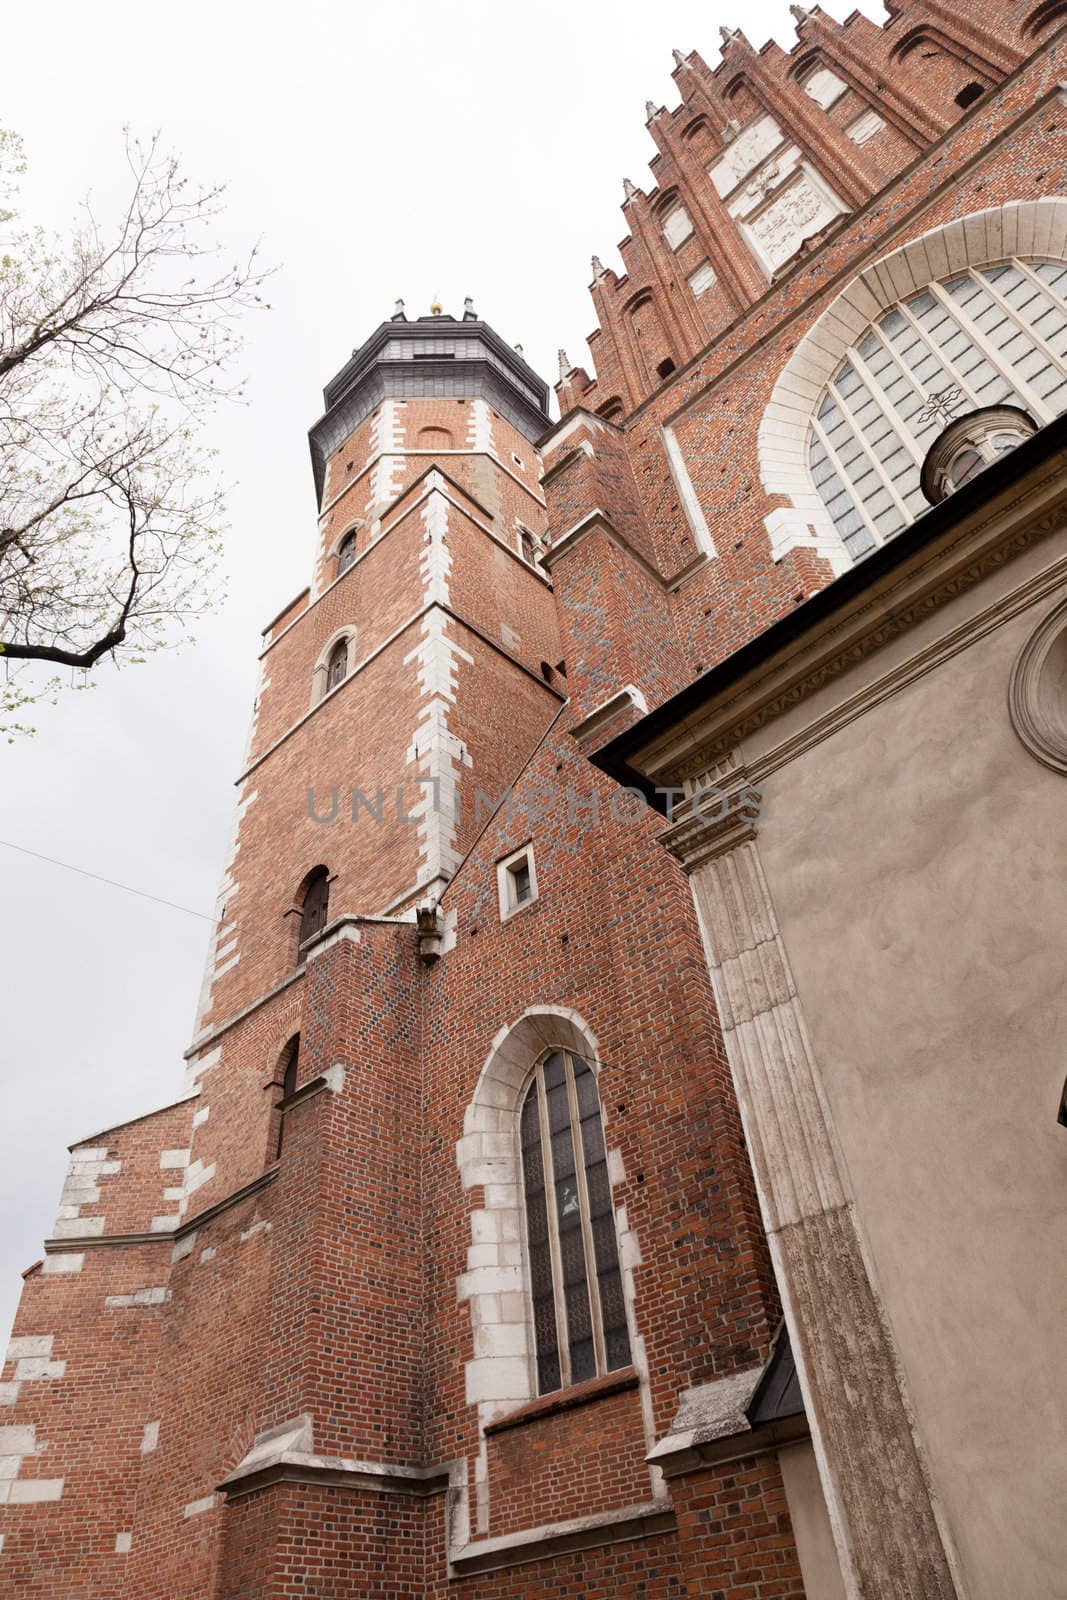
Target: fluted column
<point>876,1486</point>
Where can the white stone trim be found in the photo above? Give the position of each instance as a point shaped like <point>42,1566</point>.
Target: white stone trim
<point>196,1507</point>
<point>1025,228</point>
<point>694,511</point>
<point>17,1442</point>
<point>140,1297</point>
<point>319,690</point>
<point>56,1264</point>
<point>824,87</point>
<point>509,905</point>
<point>500,1374</point>
<point>865,127</point>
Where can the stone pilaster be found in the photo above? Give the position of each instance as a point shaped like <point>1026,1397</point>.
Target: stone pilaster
<point>885,1524</point>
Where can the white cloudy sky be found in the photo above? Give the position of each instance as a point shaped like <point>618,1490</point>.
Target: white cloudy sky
<point>415,149</point>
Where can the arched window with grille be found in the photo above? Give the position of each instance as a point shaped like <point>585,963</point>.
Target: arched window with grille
<point>337,666</point>
<point>987,336</point>
<point>315,905</point>
<point>346,552</point>
<point>579,1315</point>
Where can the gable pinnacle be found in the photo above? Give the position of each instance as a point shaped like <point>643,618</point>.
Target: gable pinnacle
<point>651,110</point>
<point>727,36</point>
<point>564,365</point>
<point>629,189</point>
<point>679,59</point>
<point>799,14</point>
<point>598,269</point>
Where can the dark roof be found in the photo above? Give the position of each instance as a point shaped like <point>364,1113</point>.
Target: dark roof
<point>777,1394</point>
<point>614,757</point>
<point>435,355</point>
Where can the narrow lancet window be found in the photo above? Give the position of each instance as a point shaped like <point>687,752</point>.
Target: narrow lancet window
<point>316,904</point>
<point>337,670</point>
<point>579,1314</point>
<point>346,553</point>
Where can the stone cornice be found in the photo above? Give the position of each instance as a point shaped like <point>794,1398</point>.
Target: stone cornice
<point>190,1224</point>
<point>559,1538</point>
<point>299,1466</point>
<point>99,1241</point>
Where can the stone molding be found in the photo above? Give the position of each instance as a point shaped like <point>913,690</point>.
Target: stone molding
<point>885,1523</point>
<point>551,1405</point>
<point>95,1241</point>
<point>559,1538</point>
<point>588,731</point>
<point>712,1427</point>
<point>286,1454</point>
<point>1037,691</point>
<point>1023,228</point>
<point>499,1376</point>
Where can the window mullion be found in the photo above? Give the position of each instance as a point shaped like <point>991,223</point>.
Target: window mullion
<point>845,476</point>
<point>940,355</point>
<point>592,1285</point>
<point>1011,375</point>
<point>552,1214</point>
<point>1051,298</point>
<point>901,429</point>
<point>868,450</point>
<point>1022,324</point>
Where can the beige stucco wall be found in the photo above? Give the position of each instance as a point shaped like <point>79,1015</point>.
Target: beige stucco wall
<point>819,1565</point>
<point>917,857</point>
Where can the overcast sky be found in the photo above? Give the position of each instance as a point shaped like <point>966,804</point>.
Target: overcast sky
<point>419,149</point>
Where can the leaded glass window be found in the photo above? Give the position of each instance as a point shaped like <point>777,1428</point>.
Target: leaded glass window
<point>579,1314</point>
<point>988,336</point>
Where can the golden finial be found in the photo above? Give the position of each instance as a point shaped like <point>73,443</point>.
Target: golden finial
<point>435,307</point>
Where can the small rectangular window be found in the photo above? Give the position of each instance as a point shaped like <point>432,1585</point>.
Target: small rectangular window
<point>516,881</point>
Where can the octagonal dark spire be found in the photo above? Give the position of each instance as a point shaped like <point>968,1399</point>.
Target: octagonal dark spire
<point>434,355</point>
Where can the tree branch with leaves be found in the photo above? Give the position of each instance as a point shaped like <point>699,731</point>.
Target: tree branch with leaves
<point>114,349</point>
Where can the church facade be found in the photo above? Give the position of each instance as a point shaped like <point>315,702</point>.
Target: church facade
<point>619,1150</point>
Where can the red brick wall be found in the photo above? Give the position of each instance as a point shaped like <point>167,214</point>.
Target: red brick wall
<point>715,405</point>
<point>328,1288</point>
<point>593,1455</point>
<point>734,1533</point>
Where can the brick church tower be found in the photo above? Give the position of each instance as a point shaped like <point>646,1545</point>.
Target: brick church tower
<point>455,1211</point>
<point>566,1197</point>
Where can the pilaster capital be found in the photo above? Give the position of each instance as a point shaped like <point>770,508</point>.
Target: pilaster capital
<point>716,817</point>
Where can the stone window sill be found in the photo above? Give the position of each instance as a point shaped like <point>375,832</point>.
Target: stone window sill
<point>550,1405</point>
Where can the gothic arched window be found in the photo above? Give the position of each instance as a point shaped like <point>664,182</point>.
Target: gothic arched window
<point>337,666</point>
<point>579,1315</point>
<point>346,552</point>
<point>987,336</point>
<point>315,905</point>
<point>289,1064</point>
